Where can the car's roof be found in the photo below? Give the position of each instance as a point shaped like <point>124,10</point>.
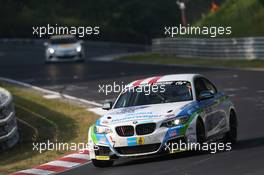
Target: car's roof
<point>164,78</point>
<point>62,36</point>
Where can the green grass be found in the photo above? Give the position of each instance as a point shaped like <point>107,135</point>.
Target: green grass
<point>244,16</point>
<point>167,59</point>
<point>40,120</point>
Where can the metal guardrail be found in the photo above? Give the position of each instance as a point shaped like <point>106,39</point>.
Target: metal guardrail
<point>40,42</point>
<point>241,48</point>
<point>8,124</point>
<point>100,47</point>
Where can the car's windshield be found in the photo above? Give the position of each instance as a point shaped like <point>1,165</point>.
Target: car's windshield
<point>63,40</point>
<point>165,93</point>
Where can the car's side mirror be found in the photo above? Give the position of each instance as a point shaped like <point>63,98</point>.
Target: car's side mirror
<point>107,105</point>
<point>205,95</point>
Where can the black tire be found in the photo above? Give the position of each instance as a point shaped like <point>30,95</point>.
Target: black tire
<point>102,163</point>
<point>200,132</point>
<point>231,135</point>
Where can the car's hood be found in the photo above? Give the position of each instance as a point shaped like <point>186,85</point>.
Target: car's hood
<point>141,114</point>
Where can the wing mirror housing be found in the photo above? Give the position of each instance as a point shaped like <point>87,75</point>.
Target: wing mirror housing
<point>107,105</point>
<point>205,95</point>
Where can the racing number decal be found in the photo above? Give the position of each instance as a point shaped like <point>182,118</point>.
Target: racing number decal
<point>140,140</point>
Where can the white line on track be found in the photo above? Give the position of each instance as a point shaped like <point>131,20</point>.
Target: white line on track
<point>51,96</point>
<point>51,92</point>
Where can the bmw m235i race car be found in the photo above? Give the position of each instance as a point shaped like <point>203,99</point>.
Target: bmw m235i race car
<point>155,111</point>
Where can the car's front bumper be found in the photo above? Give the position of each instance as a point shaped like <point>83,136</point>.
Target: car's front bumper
<point>64,57</point>
<point>112,146</point>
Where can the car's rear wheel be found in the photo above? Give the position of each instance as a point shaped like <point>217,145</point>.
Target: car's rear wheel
<point>231,135</point>
<point>200,131</point>
<point>102,163</point>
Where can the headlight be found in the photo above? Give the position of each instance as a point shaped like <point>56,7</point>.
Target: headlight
<point>102,129</point>
<point>51,50</point>
<point>175,122</point>
<point>79,48</point>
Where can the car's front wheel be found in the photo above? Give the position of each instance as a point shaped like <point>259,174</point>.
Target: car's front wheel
<point>200,132</point>
<point>231,135</point>
<point>102,163</point>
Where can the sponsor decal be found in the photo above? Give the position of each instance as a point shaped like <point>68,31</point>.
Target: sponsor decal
<point>135,141</point>
<point>105,122</point>
<point>172,133</point>
<point>139,113</point>
<point>131,141</point>
<point>140,140</point>
<point>128,110</point>
<point>101,138</point>
<point>136,117</point>
<point>102,158</point>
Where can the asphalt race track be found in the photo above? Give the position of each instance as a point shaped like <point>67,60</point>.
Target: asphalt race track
<point>246,88</point>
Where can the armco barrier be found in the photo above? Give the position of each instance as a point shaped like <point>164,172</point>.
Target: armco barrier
<point>92,49</point>
<point>241,48</point>
<point>94,44</point>
<point>8,125</point>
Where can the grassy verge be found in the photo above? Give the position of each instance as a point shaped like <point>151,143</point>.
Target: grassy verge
<point>40,120</point>
<point>166,59</point>
<point>244,16</point>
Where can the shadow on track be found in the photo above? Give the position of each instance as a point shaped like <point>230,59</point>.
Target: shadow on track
<point>159,158</point>
<point>249,143</point>
<point>241,145</point>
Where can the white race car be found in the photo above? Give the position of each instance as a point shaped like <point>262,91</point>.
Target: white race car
<point>61,48</point>
<point>153,112</point>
